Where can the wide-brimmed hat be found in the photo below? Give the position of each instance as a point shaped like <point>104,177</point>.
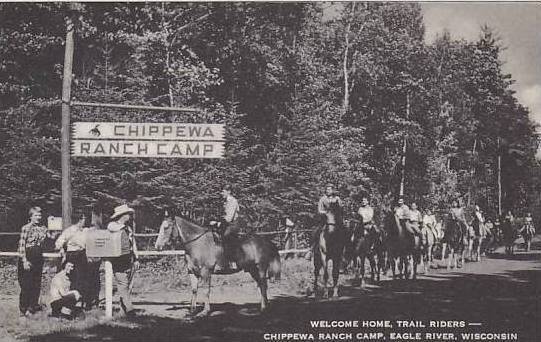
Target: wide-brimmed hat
<point>121,210</point>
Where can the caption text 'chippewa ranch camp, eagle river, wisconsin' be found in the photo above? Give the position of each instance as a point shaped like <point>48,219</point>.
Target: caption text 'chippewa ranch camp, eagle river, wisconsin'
<point>162,140</point>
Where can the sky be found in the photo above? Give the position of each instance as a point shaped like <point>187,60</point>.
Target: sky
<point>517,24</point>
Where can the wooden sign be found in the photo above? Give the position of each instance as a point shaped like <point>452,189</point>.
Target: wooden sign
<point>150,140</point>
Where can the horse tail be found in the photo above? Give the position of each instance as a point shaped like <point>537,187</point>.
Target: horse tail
<point>275,266</point>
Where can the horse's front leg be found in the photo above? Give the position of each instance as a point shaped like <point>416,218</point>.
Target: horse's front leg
<point>194,281</point>
<point>326,278</point>
<point>335,274</point>
<point>206,277</point>
<point>263,289</point>
<point>443,250</point>
<point>361,271</point>
<point>450,258</point>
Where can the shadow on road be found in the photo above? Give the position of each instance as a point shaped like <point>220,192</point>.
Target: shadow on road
<point>505,301</point>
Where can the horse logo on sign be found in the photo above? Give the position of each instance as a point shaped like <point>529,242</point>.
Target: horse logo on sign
<point>95,131</point>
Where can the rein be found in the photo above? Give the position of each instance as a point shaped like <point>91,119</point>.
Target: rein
<point>195,238</point>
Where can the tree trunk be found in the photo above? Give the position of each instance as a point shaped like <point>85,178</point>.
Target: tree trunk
<point>499,179</point>
<point>404,149</point>
<point>345,62</point>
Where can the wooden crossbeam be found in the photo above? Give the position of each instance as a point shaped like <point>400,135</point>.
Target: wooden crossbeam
<point>138,107</point>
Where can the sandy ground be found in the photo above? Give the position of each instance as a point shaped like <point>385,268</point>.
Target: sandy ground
<point>502,292</point>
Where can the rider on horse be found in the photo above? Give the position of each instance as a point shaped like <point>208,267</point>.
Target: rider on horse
<point>430,223</point>
<point>415,219</point>
<point>324,208</point>
<point>229,225</point>
<point>367,213</point>
<point>528,225</point>
<point>457,213</point>
<point>402,214</point>
<point>324,204</point>
<point>478,222</point>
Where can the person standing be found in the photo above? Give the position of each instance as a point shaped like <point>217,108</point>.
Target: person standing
<point>30,264</point>
<point>125,265</point>
<point>73,242</point>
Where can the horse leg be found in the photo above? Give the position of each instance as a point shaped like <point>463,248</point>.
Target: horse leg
<point>326,278</point>
<point>361,267</point>
<point>336,274</point>
<point>443,250</point>
<point>416,258</point>
<point>317,268</point>
<point>206,277</point>
<point>260,277</point>
<point>373,269</point>
<point>194,281</point>
<point>450,258</point>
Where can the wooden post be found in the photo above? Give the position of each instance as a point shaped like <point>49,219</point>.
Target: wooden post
<point>108,289</point>
<point>65,131</point>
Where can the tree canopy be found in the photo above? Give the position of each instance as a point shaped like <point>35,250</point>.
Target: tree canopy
<point>307,98</point>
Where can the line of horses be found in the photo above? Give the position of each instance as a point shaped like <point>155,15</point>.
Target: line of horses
<point>393,247</point>
<point>390,247</point>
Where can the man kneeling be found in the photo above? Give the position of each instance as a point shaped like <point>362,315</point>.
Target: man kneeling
<point>64,302</point>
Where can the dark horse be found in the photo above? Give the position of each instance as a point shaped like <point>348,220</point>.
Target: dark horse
<point>404,248</point>
<point>329,245</point>
<point>456,237</point>
<point>253,254</point>
<point>365,244</point>
<point>509,234</point>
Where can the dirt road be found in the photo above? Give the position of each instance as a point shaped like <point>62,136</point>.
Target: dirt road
<point>501,293</point>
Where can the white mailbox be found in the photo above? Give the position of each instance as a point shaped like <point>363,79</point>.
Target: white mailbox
<point>106,244</point>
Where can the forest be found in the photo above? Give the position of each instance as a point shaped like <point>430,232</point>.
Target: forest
<point>310,93</point>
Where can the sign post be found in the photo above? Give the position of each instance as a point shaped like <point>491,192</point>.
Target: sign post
<point>65,131</point>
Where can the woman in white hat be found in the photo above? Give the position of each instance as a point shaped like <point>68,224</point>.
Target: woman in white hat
<point>124,265</point>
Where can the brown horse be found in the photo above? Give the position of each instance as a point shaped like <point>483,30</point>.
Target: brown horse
<point>253,254</point>
<point>329,245</point>
<point>365,244</point>
<point>404,248</point>
<point>509,234</point>
<point>456,237</point>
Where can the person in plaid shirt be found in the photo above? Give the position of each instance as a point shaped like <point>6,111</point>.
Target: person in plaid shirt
<point>30,265</point>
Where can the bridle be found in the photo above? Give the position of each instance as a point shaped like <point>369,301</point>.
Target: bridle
<point>195,238</point>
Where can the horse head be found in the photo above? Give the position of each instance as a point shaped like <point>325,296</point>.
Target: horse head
<point>334,217</point>
<point>168,232</point>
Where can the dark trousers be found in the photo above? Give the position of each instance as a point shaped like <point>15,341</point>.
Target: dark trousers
<point>30,280</point>
<point>79,273</point>
<point>68,302</point>
<point>93,294</point>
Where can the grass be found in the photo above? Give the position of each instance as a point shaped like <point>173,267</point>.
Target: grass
<point>157,275</point>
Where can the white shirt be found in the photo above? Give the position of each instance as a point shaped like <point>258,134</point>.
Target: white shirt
<point>429,220</point>
<point>402,212</point>
<point>73,237</point>
<point>231,208</point>
<point>60,286</point>
<point>415,215</point>
<point>367,213</point>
